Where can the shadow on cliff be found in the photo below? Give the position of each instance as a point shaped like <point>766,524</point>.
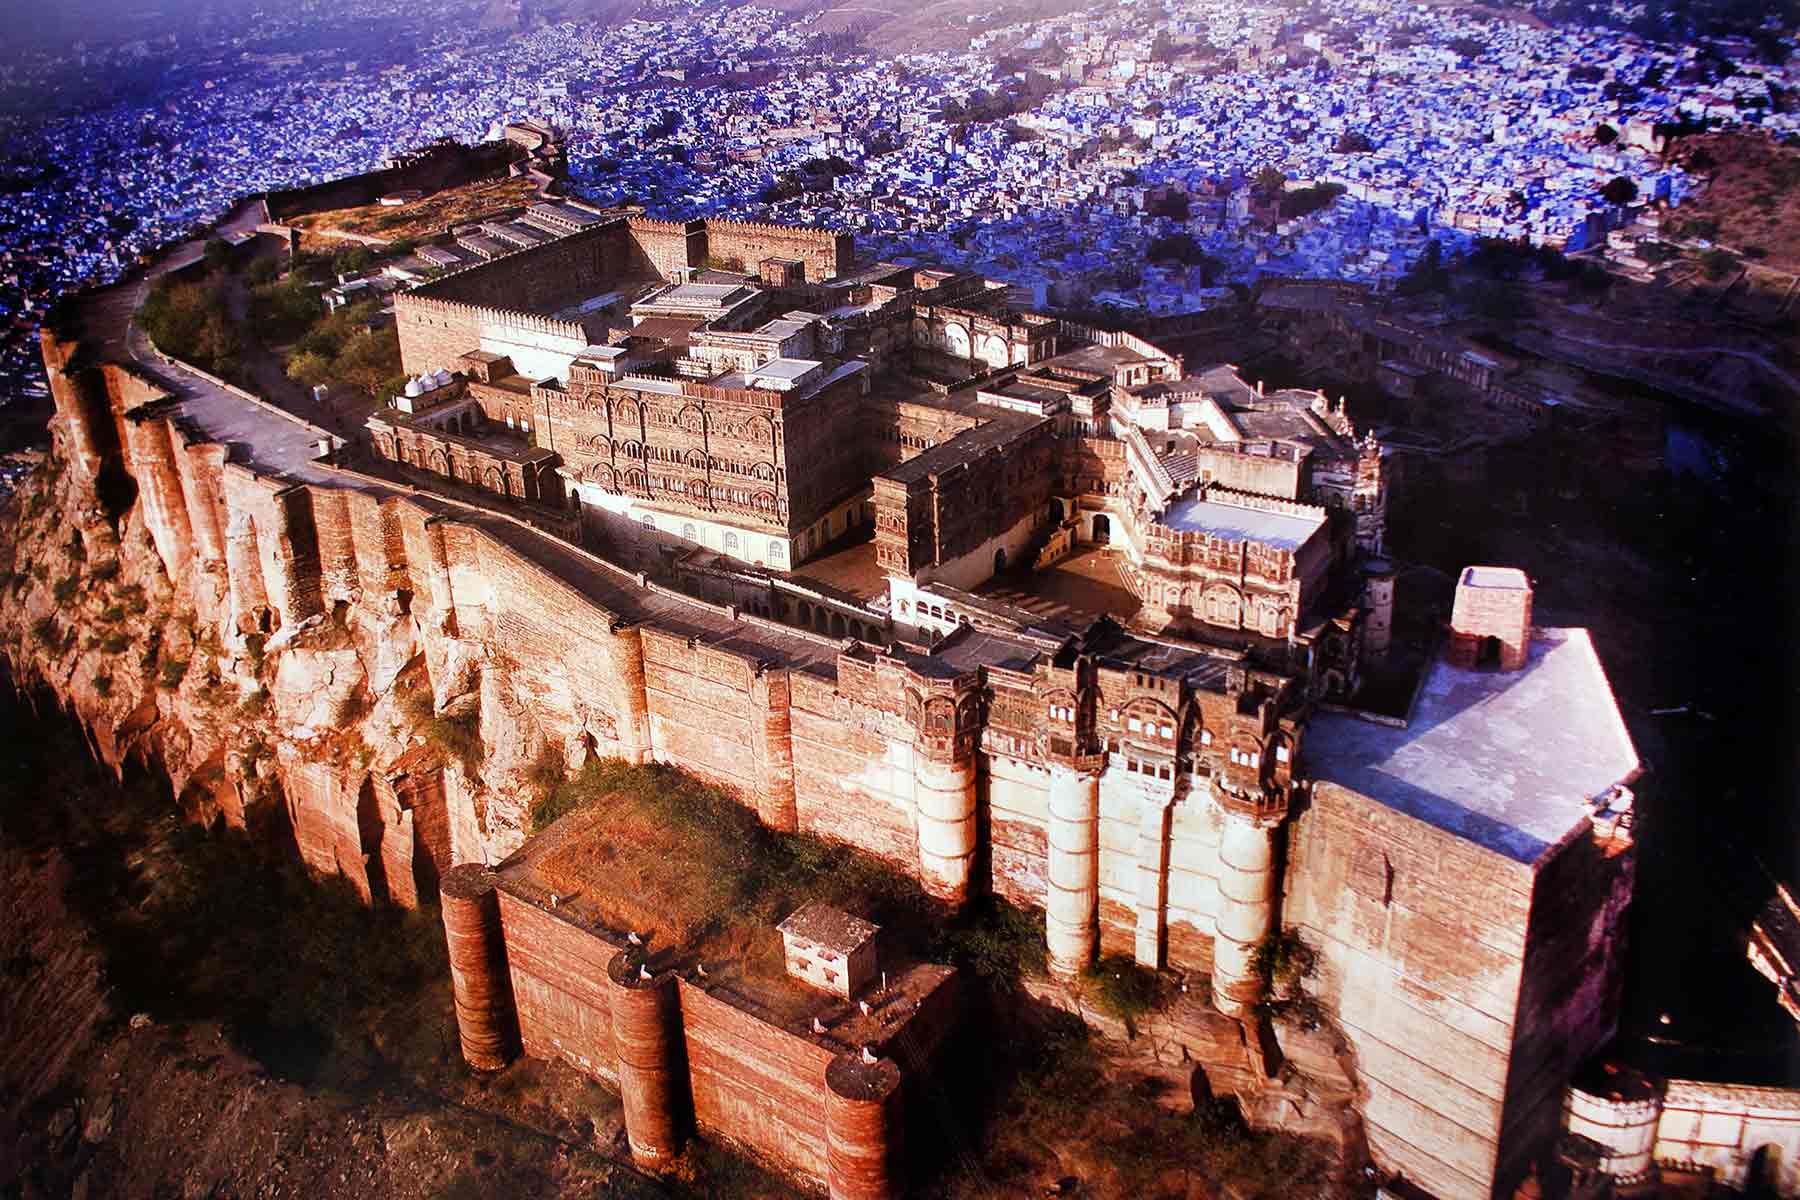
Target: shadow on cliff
<point>198,924</point>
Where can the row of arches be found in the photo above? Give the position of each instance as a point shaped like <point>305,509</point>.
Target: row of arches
<point>439,459</point>
<point>693,457</point>
<point>961,340</point>
<point>633,419</point>
<point>823,619</point>
<point>698,492</point>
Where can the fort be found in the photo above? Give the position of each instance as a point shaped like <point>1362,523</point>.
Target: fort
<point>1177,789</point>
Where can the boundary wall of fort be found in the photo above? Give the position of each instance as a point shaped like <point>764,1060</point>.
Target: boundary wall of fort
<point>687,1050</point>
<point>503,304</point>
<point>1434,950</point>
<point>612,662</point>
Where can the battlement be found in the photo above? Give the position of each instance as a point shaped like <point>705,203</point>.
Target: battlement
<point>772,230</point>
<point>513,317</point>
<point>1259,503</point>
<point>653,225</point>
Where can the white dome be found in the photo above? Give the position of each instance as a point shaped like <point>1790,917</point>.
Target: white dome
<point>413,388</point>
<point>440,377</point>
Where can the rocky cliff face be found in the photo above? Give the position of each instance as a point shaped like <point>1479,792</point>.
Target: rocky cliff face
<point>389,746</point>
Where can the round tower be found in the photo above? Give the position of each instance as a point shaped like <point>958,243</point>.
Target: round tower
<point>1246,907</point>
<point>485,1021</point>
<point>1619,1108</point>
<point>862,1127</point>
<point>944,791</point>
<point>646,1026</point>
<point>1072,904</point>
<point>1378,607</point>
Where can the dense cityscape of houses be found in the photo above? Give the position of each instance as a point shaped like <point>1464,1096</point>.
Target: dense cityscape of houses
<point>1143,155</point>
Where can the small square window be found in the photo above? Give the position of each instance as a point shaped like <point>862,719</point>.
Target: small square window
<point>1206,737</point>
<point>1135,725</point>
<point>1281,754</point>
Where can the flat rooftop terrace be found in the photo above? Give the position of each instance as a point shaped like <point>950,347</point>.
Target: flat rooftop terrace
<point>1284,531</point>
<point>1507,760</point>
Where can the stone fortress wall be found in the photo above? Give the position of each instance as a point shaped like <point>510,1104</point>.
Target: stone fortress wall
<point>506,301</point>
<point>685,1050</point>
<point>1048,773</point>
<point>618,668</point>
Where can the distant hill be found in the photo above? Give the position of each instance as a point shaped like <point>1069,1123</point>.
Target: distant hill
<point>1753,201</point>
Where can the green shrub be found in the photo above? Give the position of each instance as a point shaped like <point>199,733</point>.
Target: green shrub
<point>65,588</point>
<point>103,684</point>
<point>547,770</point>
<point>458,736</point>
<point>1119,986</point>
<point>112,614</point>
<point>174,670</point>
<point>115,643</point>
<point>105,570</point>
<point>77,549</point>
<point>1718,263</point>
<point>1281,961</point>
<point>44,630</point>
<point>995,940</point>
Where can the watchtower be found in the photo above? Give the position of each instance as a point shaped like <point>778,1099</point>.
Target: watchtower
<point>1490,624</point>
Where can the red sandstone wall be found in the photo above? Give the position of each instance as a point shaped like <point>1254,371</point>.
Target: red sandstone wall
<point>754,1083</point>
<point>750,1081</point>
<point>825,254</point>
<point>666,247</point>
<point>700,709</point>
<point>849,783</point>
<point>443,320</point>
<point>1017,799</point>
<point>559,988</point>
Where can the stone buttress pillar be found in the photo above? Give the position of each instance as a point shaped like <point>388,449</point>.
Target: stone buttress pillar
<point>201,468</point>
<point>647,1040</point>
<point>82,409</point>
<point>625,650</point>
<point>1246,907</point>
<point>1072,905</point>
<point>243,570</point>
<point>944,791</point>
<point>151,453</point>
<point>862,1128</point>
<point>771,733</point>
<point>486,1021</point>
<point>437,575</point>
<point>290,555</point>
<point>1152,879</point>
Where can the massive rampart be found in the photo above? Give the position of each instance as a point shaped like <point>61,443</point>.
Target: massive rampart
<point>508,300</point>
<point>436,167</point>
<point>744,244</point>
<point>688,1049</point>
<point>327,627</point>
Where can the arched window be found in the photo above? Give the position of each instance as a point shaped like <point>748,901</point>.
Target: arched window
<point>731,543</point>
